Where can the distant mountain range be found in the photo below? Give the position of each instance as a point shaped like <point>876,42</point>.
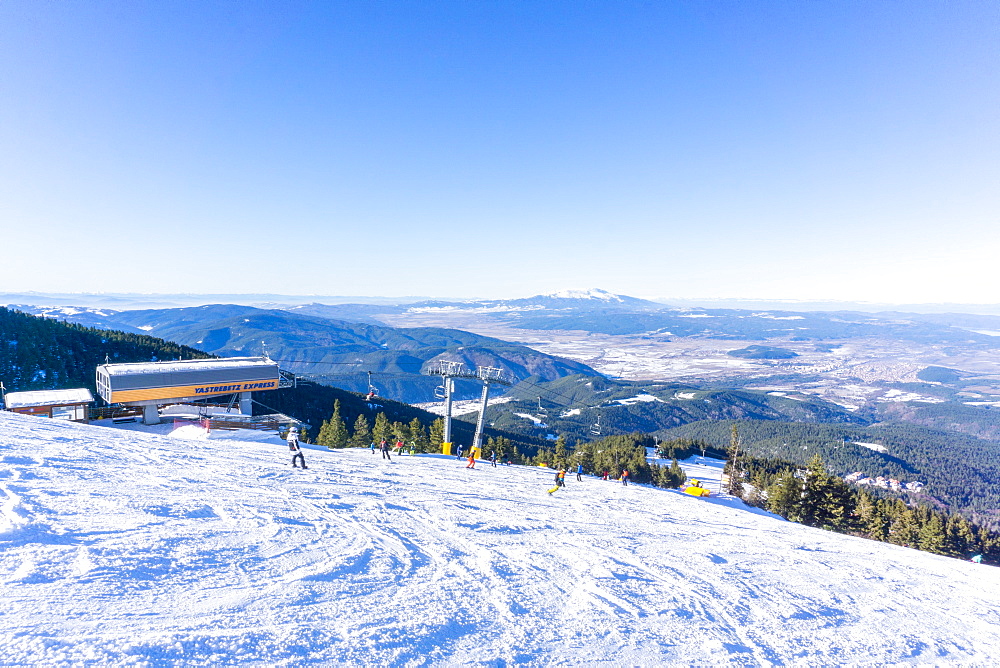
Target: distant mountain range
<point>346,340</point>
<point>602,312</point>
<point>329,350</point>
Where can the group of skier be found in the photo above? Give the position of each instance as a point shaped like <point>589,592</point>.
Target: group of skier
<point>299,459</point>
<point>561,477</point>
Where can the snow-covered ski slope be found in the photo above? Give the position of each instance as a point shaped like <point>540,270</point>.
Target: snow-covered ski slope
<point>119,547</point>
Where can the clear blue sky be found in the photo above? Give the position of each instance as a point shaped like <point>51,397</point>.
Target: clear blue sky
<point>813,150</point>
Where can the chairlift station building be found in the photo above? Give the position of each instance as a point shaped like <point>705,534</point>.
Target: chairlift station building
<point>151,384</point>
<point>70,405</point>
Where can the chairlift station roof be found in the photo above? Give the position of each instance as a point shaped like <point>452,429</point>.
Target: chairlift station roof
<point>48,398</point>
<point>147,381</point>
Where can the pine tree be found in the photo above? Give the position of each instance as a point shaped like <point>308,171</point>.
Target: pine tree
<point>561,457</point>
<point>418,436</point>
<point>986,545</point>
<point>400,432</point>
<point>323,437</point>
<point>785,496</point>
<point>904,529</point>
<point>382,431</point>
<point>932,535</point>
<point>437,435</point>
<point>735,477</point>
<point>585,457</point>
<point>362,436</point>
<point>338,430</point>
<point>825,500</point>
<point>959,537</point>
<point>677,475</point>
<point>871,518</point>
<point>502,447</point>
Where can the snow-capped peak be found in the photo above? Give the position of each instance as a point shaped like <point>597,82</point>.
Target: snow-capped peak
<point>593,293</point>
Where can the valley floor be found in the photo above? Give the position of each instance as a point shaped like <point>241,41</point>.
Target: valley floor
<point>120,547</point>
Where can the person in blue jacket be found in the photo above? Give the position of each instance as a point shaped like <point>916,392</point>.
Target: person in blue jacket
<point>579,472</point>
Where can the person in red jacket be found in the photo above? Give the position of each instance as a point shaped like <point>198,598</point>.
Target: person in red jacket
<point>625,478</point>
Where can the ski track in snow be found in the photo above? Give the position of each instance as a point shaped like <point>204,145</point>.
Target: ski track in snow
<point>122,548</point>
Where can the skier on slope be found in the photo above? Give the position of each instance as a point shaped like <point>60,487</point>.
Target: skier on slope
<point>293,445</point>
<point>579,472</point>
<point>493,458</point>
<point>625,478</point>
<point>384,447</point>
<point>472,460</point>
<point>560,480</point>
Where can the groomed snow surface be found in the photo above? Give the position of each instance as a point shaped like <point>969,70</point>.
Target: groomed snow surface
<point>125,548</point>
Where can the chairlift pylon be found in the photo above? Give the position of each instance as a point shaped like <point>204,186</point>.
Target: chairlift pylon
<point>595,429</point>
<point>541,411</point>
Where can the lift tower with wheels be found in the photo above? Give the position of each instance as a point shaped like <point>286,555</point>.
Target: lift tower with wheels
<point>489,375</point>
<point>448,371</point>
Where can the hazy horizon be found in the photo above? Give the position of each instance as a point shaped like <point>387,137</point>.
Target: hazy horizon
<point>130,300</point>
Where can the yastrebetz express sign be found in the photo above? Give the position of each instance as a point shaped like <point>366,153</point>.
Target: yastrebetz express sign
<point>149,394</point>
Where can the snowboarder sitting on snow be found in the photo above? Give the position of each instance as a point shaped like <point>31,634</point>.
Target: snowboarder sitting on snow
<point>293,445</point>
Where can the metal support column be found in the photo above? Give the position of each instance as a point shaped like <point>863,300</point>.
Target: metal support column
<point>449,370</point>
<point>478,439</point>
<point>448,385</point>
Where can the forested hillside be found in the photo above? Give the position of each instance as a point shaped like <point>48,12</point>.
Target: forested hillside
<point>959,471</point>
<point>574,406</point>
<point>39,353</point>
